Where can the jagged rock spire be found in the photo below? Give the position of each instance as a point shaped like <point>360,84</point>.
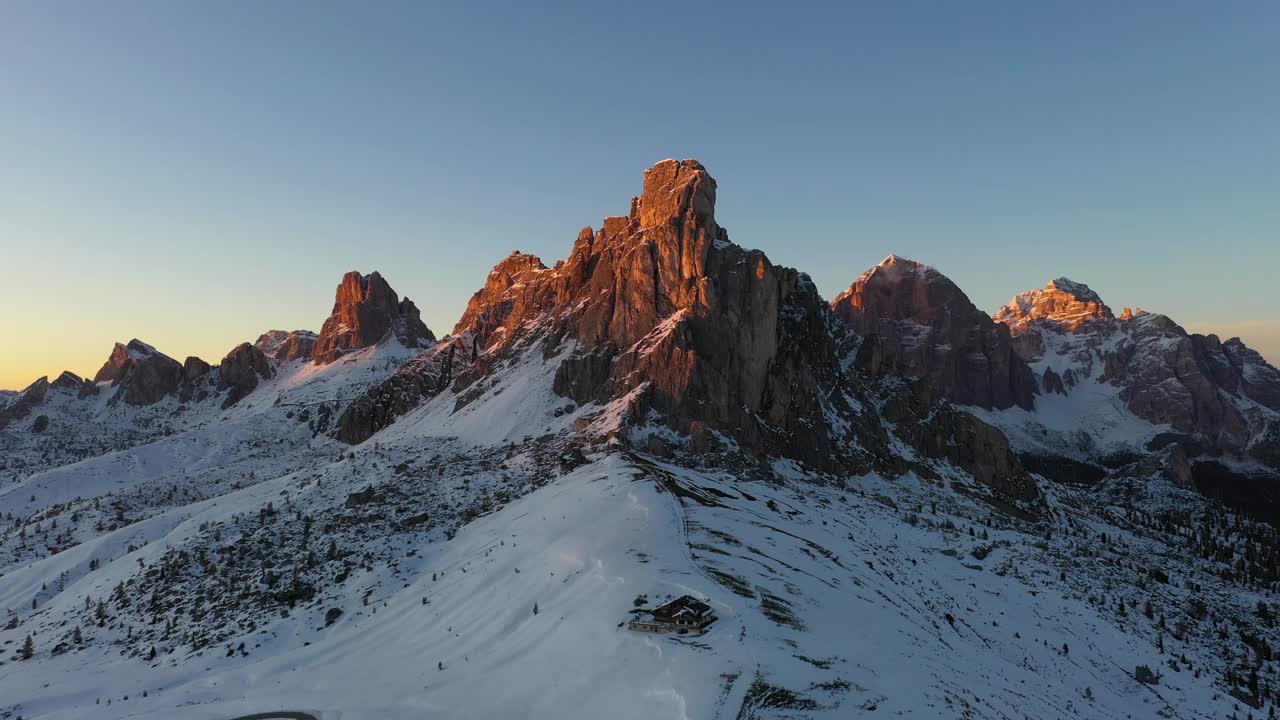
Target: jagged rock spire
<point>366,310</point>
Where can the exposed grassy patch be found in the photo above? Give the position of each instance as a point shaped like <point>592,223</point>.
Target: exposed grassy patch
<point>763,696</point>
<point>724,537</point>
<point>708,548</point>
<point>824,664</point>
<point>833,686</point>
<point>733,582</point>
<point>779,610</point>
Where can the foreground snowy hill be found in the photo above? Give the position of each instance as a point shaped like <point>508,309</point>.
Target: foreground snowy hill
<point>373,523</point>
<point>900,597</point>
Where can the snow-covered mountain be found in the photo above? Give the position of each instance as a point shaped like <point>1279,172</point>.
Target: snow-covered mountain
<point>1081,393</point>
<point>373,522</point>
<point>1138,387</point>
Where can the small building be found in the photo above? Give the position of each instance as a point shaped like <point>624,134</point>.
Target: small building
<point>684,614</point>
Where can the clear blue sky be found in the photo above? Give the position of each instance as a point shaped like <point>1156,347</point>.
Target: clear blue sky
<point>193,174</point>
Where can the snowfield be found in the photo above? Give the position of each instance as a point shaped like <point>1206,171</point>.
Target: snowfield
<point>469,562</point>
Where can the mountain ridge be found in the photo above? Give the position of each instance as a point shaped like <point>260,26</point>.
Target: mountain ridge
<point>458,524</point>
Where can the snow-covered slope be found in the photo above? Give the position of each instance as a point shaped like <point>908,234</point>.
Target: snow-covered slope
<point>882,597</point>
<point>464,529</point>
<point>273,569</point>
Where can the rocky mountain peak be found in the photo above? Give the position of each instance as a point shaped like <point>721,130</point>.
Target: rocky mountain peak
<point>284,346</point>
<point>656,318</point>
<point>141,374</point>
<point>918,323</point>
<point>1081,292</point>
<point>366,310</point>
<point>27,400</point>
<point>897,263</point>
<point>490,306</point>
<point>1063,304</point>
<point>658,309</point>
<point>68,381</point>
<point>240,371</point>
<point>675,189</point>
<point>122,357</point>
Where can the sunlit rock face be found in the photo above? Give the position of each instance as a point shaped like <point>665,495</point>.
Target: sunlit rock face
<point>1063,303</point>
<point>918,324</point>
<point>365,312</point>
<point>658,319</point>
<point>661,307</point>
<point>1221,393</point>
<point>657,307</point>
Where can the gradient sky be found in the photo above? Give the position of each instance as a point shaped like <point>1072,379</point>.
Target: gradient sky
<point>193,174</point>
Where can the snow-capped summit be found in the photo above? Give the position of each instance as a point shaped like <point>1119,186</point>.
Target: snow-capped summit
<point>1137,383</point>
<point>1062,304</point>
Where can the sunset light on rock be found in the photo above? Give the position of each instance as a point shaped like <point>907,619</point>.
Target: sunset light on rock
<point>777,432</point>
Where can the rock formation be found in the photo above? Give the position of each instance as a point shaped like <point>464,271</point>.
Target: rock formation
<point>285,346</point>
<point>660,308</point>
<point>1063,304</point>
<point>920,325</point>
<point>660,318</point>
<point>939,430</point>
<point>30,398</point>
<point>194,374</point>
<point>366,310</point>
<point>68,381</point>
<point>428,374</point>
<point>1219,394</point>
<point>141,374</point>
<point>240,371</point>
<point>194,368</point>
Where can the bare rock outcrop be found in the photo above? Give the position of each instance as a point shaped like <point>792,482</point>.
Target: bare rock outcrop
<point>918,324</point>
<point>428,374</point>
<point>68,381</point>
<point>28,400</point>
<point>365,311</point>
<point>939,430</point>
<point>286,346</point>
<point>141,374</point>
<point>195,380</point>
<point>194,368</point>
<point>1063,304</point>
<point>240,372</point>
